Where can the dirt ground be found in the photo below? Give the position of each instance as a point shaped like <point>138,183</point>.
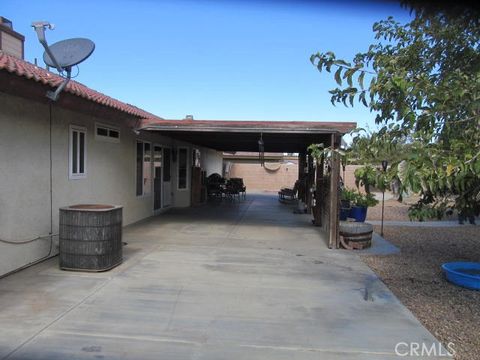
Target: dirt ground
<point>395,210</point>
<point>449,312</point>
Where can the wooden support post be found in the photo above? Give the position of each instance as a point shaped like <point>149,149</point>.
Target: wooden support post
<point>334,199</point>
<point>301,177</point>
<point>310,182</point>
<point>318,209</point>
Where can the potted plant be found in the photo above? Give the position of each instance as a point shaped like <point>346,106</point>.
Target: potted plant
<point>347,196</point>
<point>365,176</point>
<point>360,206</point>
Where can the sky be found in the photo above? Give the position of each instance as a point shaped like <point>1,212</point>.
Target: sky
<point>217,60</point>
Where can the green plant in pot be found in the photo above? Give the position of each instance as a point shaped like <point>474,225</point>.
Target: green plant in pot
<point>347,197</point>
<point>360,206</point>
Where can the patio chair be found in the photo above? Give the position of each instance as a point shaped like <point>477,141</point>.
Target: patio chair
<point>233,188</point>
<point>289,193</point>
<point>215,183</point>
<point>239,186</point>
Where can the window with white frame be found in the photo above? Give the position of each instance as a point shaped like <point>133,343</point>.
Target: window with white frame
<point>143,169</point>
<point>107,133</point>
<point>182,168</point>
<point>77,152</point>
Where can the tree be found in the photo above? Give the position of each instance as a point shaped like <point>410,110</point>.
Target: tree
<point>424,86</point>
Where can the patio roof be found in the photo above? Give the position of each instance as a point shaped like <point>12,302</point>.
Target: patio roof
<point>225,135</point>
<point>20,77</point>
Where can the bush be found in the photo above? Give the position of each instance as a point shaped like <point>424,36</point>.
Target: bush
<point>348,194</point>
<point>365,200</point>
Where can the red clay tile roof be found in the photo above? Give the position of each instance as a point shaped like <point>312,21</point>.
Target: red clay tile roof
<point>32,72</point>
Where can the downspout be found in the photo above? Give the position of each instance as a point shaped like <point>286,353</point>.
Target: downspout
<point>50,105</point>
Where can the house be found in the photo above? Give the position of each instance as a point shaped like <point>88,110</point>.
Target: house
<point>81,149</point>
<point>87,147</point>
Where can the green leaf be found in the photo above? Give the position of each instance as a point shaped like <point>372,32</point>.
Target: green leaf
<point>328,65</point>
<point>362,99</point>
<point>338,77</point>
<point>360,79</point>
<point>349,80</point>
<point>351,97</point>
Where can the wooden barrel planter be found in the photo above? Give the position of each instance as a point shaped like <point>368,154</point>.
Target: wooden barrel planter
<point>355,235</point>
<point>90,237</point>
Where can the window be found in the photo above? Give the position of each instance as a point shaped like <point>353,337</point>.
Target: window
<point>143,169</point>
<point>107,133</point>
<point>77,152</point>
<point>182,168</point>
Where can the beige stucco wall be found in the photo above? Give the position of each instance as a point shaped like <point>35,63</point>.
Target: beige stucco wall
<point>258,178</point>
<point>25,175</point>
<point>212,161</point>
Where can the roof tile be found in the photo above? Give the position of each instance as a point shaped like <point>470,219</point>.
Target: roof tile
<point>30,71</point>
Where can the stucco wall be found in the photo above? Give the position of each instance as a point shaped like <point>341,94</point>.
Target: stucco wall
<point>212,161</point>
<point>25,175</point>
<point>256,177</point>
<point>350,176</point>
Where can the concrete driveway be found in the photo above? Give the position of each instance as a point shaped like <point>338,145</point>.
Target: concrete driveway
<point>248,280</point>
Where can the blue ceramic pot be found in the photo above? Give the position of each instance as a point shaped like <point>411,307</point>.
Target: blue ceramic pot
<point>344,213</point>
<point>359,213</point>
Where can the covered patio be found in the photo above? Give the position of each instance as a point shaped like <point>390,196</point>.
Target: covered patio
<point>319,178</point>
<point>239,280</point>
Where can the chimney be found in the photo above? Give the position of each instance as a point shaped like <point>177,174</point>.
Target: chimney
<point>11,42</point>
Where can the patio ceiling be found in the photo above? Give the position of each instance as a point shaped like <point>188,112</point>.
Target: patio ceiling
<point>278,136</point>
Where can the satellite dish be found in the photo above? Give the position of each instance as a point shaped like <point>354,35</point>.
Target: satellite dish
<point>63,54</point>
<point>69,52</point>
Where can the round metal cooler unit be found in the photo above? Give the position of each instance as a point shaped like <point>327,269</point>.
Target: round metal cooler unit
<point>90,237</point>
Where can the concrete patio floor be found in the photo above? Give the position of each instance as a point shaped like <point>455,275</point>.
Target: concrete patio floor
<point>248,280</point>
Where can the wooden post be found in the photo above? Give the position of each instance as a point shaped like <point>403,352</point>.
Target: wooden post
<point>309,183</point>
<point>301,177</point>
<point>334,179</point>
<point>318,209</point>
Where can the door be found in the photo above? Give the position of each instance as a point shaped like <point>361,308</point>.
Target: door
<point>157,177</point>
<point>167,176</point>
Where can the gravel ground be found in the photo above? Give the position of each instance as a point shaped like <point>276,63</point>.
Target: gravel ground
<point>395,210</point>
<point>449,312</point>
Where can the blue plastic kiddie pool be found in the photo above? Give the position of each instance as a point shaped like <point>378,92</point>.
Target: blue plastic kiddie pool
<point>466,274</point>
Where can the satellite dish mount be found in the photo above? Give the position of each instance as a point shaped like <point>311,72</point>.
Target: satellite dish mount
<point>63,54</point>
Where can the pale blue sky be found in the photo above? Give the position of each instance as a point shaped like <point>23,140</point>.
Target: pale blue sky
<point>239,60</point>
